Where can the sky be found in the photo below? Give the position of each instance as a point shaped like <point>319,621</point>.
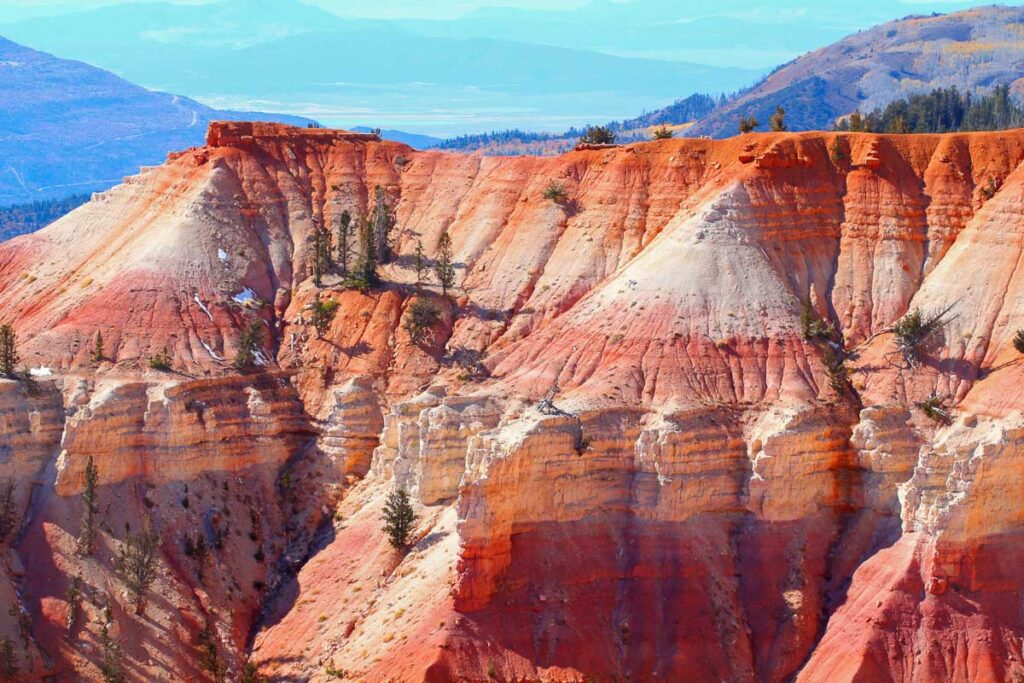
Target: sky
<point>745,36</point>
<point>13,10</point>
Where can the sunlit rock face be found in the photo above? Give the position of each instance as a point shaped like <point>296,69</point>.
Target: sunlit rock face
<point>627,459</point>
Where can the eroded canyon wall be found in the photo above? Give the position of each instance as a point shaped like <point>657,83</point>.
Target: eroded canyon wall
<point>713,493</point>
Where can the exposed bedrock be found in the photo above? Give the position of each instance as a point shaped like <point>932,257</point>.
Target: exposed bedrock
<point>660,430</point>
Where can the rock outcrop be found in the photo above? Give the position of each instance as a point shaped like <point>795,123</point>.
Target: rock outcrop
<point>660,428</point>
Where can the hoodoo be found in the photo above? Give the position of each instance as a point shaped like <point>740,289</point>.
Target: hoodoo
<point>708,410</point>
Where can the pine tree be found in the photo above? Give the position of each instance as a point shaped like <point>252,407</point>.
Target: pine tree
<point>8,659</point>
<point>344,242</point>
<point>858,124</point>
<point>97,350</point>
<point>383,222</point>
<point>87,535</point>
<point>444,270</point>
<point>73,596</point>
<point>136,564</point>
<point>898,126</point>
<point>598,135</point>
<point>8,511</point>
<point>322,259</point>
<point>748,125</point>
<point>249,343</point>
<point>419,264</point>
<point>111,666</point>
<point>420,318</point>
<point>778,120</point>
<point>318,268</point>
<point>321,315</point>
<point>367,276</point>
<point>209,655</point>
<point>8,351</point>
<point>663,133</point>
<point>24,623</point>
<point>250,674</point>
<point>399,518</point>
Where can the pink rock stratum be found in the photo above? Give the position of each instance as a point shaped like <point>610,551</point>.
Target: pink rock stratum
<point>714,498</point>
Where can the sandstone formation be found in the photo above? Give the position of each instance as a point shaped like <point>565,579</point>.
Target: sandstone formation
<point>628,458</point>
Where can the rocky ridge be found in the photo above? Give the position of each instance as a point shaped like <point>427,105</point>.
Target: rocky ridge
<point>701,497</point>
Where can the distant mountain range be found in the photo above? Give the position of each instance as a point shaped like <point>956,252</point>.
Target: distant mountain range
<point>284,55</point>
<point>67,127</point>
<point>973,50</point>
<point>723,33</point>
<point>411,139</point>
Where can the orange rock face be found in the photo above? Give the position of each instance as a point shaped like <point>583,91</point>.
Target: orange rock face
<point>730,477</point>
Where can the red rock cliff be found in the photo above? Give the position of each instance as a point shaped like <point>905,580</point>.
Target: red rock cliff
<point>714,495</point>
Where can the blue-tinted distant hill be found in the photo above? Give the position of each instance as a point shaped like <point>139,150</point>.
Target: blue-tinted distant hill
<point>284,55</point>
<point>68,128</point>
<point>412,139</point>
<point>972,50</point>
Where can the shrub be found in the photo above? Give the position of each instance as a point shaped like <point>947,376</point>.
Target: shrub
<point>555,192</point>
<point>835,365</point>
<point>8,351</point>
<point>934,408</point>
<point>662,133</point>
<point>813,327</point>
<point>1018,341</point>
<point>913,331</point>
<point>160,361</point>
<point>209,656</point>
<point>250,674</point>
<point>778,120</point>
<point>249,343</point>
<point>97,350</point>
<point>422,316</point>
<point>989,191</point>
<point>837,152</point>
<point>598,135</point>
<point>136,564</point>
<point>748,125</point>
<point>398,518</point>
<point>8,659</point>
<point>322,313</point>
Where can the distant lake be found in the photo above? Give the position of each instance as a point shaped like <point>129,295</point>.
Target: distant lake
<point>443,111</point>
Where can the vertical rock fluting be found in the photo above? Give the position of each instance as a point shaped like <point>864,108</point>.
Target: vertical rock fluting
<point>702,496</point>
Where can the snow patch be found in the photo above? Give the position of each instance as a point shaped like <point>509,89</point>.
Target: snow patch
<point>244,297</point>
<point>205,310</point>
<point>222,255</point>
<point>210,351</point>
<point>41,371</point>
<point>260,358</point>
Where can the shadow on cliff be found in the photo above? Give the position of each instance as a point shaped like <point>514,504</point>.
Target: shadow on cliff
<point>283,598</point>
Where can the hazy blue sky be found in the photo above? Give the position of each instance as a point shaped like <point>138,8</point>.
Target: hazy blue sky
<point>441,86</point>
<point>11,10</point>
